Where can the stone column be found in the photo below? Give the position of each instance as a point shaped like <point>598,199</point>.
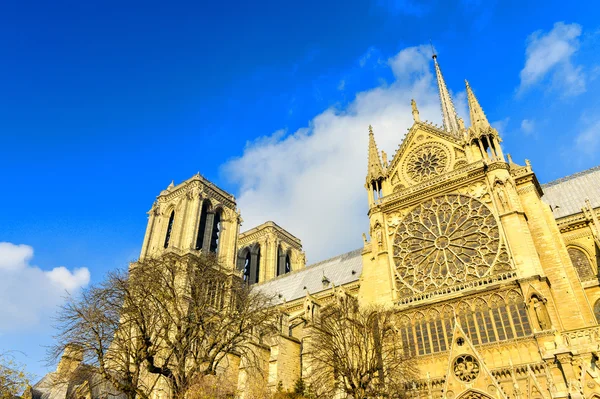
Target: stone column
<point>281,262</point>
<point>210,217</point>
<point>253,278</point>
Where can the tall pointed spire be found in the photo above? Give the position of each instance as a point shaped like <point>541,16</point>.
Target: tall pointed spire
<point>375,169</point>
<point>448,112</point>
<point>478,119</point>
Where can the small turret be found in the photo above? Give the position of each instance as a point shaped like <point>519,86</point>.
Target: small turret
<point>481,133</point>
<point>375,173</point>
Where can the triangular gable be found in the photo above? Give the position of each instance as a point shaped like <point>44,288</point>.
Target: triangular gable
<point>467,371</point>
<point>423,135</point>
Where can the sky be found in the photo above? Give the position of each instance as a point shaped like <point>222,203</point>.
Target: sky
<point>104,103</point>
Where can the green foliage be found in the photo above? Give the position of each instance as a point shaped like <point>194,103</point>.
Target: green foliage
<point>299,387</point>
<point>13,378</point>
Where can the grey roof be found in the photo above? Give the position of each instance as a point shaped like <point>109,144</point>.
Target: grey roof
<point>339,270</point>
<point>569,193</point>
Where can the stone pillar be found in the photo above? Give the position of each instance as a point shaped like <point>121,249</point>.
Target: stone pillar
<point>210,217</point>
<point>484,153</point>
<point>253,278</point>
<point>194,221</point>
<point>281,262</point>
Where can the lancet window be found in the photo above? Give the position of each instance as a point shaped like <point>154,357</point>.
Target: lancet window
<point>169,229</point>
<point>216,231</point>
<point>249,263</point>
<point>202,224</point>
<point>284,264</point>
<point>498,319</point>
<point>582,264</point>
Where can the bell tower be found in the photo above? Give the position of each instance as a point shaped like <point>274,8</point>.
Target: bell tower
<point>193,216</point>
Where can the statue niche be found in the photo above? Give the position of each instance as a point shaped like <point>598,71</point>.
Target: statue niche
<point>538,307</point>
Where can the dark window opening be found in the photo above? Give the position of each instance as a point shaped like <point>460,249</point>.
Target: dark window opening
<point>169,229</point>
<point>202,225</point>
<point>214,238</point>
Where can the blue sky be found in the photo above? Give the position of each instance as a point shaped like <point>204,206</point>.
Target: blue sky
<point>103,103</point>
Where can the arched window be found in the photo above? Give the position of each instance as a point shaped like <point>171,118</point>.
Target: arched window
<point>255,271</point>
<point>169,228</point>
<point>581,263</point>
<point>216,230</point>
<point>518,314</point>
<point>597,311</point>
<point>501,318</point>
<point>288,263</point>
<point>243,263</point>
<point>202,225</point>
<point>284,264</point>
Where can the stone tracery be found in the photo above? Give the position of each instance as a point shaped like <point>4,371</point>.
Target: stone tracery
<point>445,240</point>
<point>426,162</point>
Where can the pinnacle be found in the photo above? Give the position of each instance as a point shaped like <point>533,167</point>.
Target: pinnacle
<point>375,169</point>
<point>478,118</point>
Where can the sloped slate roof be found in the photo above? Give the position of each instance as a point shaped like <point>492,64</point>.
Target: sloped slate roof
<point>339,270</point>
<point>569,193</point>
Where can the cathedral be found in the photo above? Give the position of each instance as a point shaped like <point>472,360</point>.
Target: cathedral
<point>493,276</point>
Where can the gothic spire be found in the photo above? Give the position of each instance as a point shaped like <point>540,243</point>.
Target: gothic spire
<point>478,119</point>
<point>448,112</point>
<point>375,169</point>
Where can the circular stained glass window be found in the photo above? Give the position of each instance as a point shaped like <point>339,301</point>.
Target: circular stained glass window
<point>445,240</point>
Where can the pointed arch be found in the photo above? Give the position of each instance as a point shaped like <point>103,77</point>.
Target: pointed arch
<point>483,320</point>
<point>581,260</point>
<point>597,311</point>
<point>474,394</point>
<point>243,263</point>
<point>466,318</point>
<point>518,314</point>
<point>204,209</point>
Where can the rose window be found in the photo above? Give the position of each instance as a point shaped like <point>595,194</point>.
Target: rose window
<point>466,368</point>
<point>426,162</point>
<point>445,240</point>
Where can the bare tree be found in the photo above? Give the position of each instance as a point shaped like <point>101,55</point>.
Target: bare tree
<point>193,315</point>
<point>356,352</point>
<point>92,325</point>
<point>13,378</point>
<point>177,317</point>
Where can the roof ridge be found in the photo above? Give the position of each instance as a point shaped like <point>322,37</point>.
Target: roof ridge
<point>570,177</point>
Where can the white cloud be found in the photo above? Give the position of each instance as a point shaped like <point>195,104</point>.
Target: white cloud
<point>549,55</point>
<point>527,126</point>
<point>342,84</point>
<point>311,182</point>
<point>28,294</point>
<point>588,141</point>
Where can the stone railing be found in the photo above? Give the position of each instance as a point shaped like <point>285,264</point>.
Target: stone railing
<point>458,287</point>
<point>582,339</point>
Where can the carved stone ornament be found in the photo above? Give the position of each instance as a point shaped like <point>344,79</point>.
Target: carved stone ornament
<point>393,221</point>
<point>446,240</point>
<point>478,190</point>
<point>426,162</point>
<point>466,368</point>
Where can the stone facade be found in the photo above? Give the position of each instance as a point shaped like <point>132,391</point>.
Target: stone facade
<point>495,284</point>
